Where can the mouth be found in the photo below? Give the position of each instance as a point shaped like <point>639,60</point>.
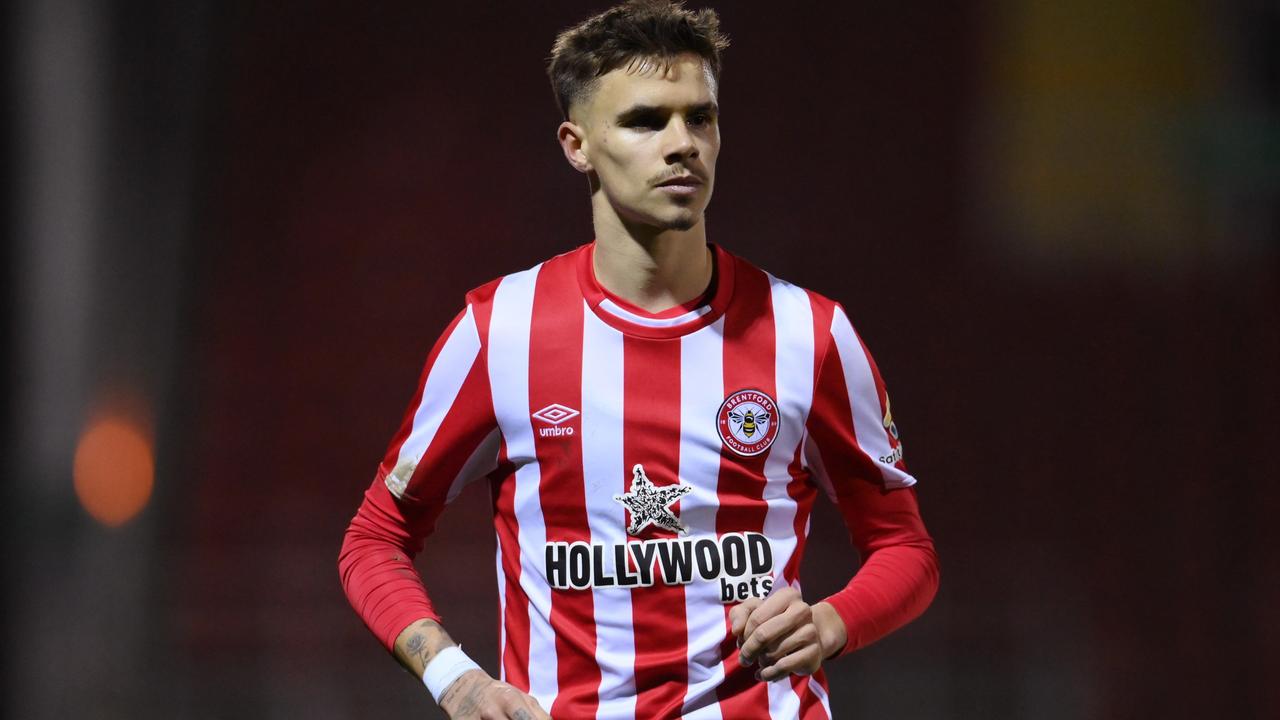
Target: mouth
<point>681,185</point>
<point>681,180</point>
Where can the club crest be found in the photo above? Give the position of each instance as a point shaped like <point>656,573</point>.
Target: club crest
<point>748,422</point>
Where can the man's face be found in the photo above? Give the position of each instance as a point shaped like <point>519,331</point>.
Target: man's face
<point>652,136</point>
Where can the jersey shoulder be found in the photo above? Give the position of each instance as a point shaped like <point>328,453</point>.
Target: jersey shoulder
<point>746,269</point>
<point>784,292</point>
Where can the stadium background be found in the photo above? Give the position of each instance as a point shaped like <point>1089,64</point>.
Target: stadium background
<point>238,227</point>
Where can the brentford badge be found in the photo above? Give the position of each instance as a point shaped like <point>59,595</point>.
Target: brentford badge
<point>748,422</point>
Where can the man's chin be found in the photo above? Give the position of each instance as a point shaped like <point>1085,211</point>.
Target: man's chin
<point>682,219</point>
<point>684,223</point>
<point>686,219</point>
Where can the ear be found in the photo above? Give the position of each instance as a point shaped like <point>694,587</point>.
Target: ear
<point>573,140</point>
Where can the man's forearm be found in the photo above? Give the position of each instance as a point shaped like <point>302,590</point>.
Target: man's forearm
<point>472,694</point>
<point>893,587</point>
<point>419,643</point>
<point>377,571</point>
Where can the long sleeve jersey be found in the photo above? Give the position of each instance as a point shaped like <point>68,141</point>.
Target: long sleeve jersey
<point>648,471</point>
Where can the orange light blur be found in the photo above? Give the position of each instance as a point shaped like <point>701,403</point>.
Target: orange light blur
<point>114,470</point>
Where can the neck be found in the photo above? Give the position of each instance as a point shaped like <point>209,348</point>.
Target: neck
<point>648,267</point>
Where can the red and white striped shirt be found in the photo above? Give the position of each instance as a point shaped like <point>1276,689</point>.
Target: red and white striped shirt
<point>649,471</point>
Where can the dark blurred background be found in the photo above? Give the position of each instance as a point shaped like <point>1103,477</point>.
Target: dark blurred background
<point>239,227</point>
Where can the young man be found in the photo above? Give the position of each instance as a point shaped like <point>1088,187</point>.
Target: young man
<point>655,417</point>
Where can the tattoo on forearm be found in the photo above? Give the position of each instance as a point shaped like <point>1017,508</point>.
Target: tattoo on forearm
<point>416,643</point>
<point>522,715</point>
<point>417,647</point>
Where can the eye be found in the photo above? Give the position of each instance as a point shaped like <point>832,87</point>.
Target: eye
<point>700,119</point>
<point>645,122</point>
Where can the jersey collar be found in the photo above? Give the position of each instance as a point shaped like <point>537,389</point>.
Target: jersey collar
<point>672,322</point>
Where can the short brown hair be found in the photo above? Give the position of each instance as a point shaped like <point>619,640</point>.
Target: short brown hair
<point>635,29</point>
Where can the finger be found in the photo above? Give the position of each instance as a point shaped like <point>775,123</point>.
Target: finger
<point>535,710</point>
<point>768,633</point>
<point>804,661</point>
<point>797,639</point>
<point>772,605</point>
<point>512,704</point>
<point>778,628</point>
<point>739,614</point>
<point>505,701</point>
<point>528,709</point>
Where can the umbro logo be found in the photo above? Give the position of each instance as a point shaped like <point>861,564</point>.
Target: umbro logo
<point>553,415</point>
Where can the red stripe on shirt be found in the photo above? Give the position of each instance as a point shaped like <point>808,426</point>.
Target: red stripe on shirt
<point>749,364</point>
<point>831,426</point>
<point>804,492</point>
<point>555,378</point>
<point>651,438</point>
<point>810,706</point>
<point>515,649</point>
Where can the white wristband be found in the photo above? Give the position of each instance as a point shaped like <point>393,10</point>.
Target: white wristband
<point>444,668</point>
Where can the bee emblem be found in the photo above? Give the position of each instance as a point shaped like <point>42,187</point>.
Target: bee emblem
<point>748,422</point>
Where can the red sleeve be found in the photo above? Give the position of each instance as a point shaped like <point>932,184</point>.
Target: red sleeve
<point>854,453</point>
<point>448,437</point>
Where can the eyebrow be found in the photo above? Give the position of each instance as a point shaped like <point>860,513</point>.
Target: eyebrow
<point>636,112</point>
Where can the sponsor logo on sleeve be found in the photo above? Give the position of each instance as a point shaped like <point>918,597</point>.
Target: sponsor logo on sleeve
<point>891,428</point>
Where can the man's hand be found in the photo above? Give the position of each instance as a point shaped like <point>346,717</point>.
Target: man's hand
<point>476,696</point>
<point>785,634</point>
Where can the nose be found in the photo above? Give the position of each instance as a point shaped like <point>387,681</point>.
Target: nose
<point>678,141</point>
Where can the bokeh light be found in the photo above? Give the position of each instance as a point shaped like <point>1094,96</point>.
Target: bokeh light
<point>114,470</point>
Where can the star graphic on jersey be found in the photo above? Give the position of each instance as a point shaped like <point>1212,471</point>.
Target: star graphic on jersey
<point>649,503</point>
